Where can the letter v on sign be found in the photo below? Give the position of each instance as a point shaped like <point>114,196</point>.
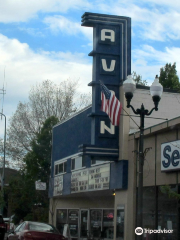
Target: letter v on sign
<point>111,68</point>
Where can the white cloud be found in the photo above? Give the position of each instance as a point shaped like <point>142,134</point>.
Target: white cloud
<point>59,23</point>
<point>20,10</point>
<point>25,68</point>
<point>35,32</point>
<point>156,20</point>
<point>159,28</point>
<point>163,3</point>
<point>147,61</point>
<point>153,21</point>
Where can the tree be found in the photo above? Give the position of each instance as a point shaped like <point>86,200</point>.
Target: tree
<point>166,189</point>
<point>38,160</point>
<point>45,99</point>
<point>21,194</point>
<point>168,76</point>
<point>2,201</point>
<point>138,79</point>
<point>36,167</point>
<point>52,208</point>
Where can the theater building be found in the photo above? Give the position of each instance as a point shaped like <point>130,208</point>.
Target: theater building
<point>94,164</point>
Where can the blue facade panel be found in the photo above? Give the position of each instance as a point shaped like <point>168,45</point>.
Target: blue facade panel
<point>119,175</point>
<point>70,134</point>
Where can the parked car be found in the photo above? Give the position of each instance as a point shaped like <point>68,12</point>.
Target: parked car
<point>3,227</point>
<point>7,222</point>
<point>35,230</point>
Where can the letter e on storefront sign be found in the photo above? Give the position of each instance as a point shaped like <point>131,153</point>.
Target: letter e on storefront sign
<point>170,156</point>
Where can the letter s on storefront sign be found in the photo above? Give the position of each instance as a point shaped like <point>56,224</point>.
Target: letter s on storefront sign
<point>170,159</point>
<point>167,156</point>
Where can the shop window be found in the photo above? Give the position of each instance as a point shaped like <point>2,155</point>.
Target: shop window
<point>56,169</point>
<point>149,208</point>
<point>101,225</point>
<point>69,217</point>
<point>98,160</point>
<point>60,168</point>
<point>108,228</point>
<point>167,211</point>
<point>120,222</point>
<point>84,223</point>
<point>61,219</point>
<point>77,163</point>
<point>95,222</point>
<point>160,211</point>
<point>93,162</point>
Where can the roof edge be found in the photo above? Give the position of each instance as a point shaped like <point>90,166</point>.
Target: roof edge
<point>74,115</point>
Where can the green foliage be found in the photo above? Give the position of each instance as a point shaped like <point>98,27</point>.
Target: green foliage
<point>25,201</point>
<point>29,217</point>
<point>39,214</point>
<point>138,79</point>
<point>2,201</point>
<point>168,77</point>
<point>38,160</point>
<point>20,195</point>
<point>171,194</point>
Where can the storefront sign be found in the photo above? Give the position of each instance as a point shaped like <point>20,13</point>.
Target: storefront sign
<point>79,181</point>
<point>99,178</point>
<point>40,185</point>
<point>73,215</point>
<point>58,185</point>
<point>96,178</point>
<point>110,216</point>
<point>170,156</point>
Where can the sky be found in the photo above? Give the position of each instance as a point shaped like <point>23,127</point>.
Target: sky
<point>44,39</point>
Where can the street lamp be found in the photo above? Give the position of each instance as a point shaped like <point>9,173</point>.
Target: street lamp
<point>156,90</point>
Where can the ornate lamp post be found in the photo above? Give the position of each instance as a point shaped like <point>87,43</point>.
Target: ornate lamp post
<point>156,90</point>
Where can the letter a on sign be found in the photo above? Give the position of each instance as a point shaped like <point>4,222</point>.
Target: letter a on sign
<point>104,36</point>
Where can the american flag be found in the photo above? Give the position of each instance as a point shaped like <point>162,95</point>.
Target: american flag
<point>110,104</point>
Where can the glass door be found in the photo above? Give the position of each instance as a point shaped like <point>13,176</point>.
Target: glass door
<point>73,219</point>
<point>96,222</point>
<point>84,229</point>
